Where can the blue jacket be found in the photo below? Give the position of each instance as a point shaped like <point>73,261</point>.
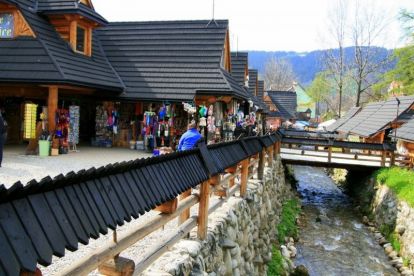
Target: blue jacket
<point>189,139</point>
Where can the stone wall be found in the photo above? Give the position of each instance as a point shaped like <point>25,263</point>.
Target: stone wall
<point>387,209</point>
<point>382,208</point>
<point>240,234</point>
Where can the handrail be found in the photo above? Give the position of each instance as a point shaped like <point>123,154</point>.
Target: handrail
<point>85,204</point>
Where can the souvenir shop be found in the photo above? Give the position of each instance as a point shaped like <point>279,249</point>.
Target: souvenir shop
<point>139,126</point>
<point>223,121</point>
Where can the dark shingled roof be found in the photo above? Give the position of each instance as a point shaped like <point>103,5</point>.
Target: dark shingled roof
<point>253,76</point>
<point>49,59</point>
<point>286,103</point>
<point>406,131</point>
<point>381,117</point>
<point>69,7</point>
<point>169,60</point>
<point>351,113</point>
<point>363,115</point>
<point>239,64</point>
<point>260,89</point>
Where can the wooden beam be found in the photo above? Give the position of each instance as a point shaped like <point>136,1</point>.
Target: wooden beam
<point>329,154</point>
<point>168,207</point>
<point>118,266</point>
<point>244,177</point>
<point>186,213</point>
<point>73,34</point>
<point>52,104</point>
<point>202,219</point>
<point>383,157</point>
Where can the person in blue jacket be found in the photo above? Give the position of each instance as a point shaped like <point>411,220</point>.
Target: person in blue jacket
<point>190,138</point>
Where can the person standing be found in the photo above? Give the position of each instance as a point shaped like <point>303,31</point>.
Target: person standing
<point>3,133</point>
<point>189,138</point>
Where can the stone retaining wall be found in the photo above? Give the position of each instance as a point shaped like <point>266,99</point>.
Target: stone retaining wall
<point>240,234</point>
<point>387,209</point>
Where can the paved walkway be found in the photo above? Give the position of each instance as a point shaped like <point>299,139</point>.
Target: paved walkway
<point>19,167</point>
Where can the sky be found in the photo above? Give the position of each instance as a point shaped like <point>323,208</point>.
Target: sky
<point>266,25</point>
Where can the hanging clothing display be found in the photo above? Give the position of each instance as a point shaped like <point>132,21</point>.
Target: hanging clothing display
<point>74,116</point>
<point>30,114</point>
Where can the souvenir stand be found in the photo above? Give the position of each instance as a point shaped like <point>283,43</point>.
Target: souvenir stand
<point>74,118</point>
<point>161,126</point>
<point>106,125</point>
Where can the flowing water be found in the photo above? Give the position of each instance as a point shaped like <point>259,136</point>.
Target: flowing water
<point>333,241</point>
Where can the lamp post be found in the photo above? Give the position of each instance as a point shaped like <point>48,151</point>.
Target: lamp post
<point>396,119</point>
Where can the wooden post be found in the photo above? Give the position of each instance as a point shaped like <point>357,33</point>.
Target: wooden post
<point>392,158</point>
<point>383,156</point>
<point>244,177</point>
<point>38,272</point>
<point>329,154</point>
<point>262,161</point>
<point>73,34</point>
<point>231,170</point>
<point>203,210</point>
<point>52,106</point>
<point>270,156</point>
<point>185,214</point>
<point>118,266</point>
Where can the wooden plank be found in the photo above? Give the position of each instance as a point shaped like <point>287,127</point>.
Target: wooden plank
<point>52,104</point>
<point>244,177</point>
<point>186,213</point>
<point>383,157</point>
<point>202,220</point>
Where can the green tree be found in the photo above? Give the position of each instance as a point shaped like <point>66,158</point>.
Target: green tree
<point>401,78</point>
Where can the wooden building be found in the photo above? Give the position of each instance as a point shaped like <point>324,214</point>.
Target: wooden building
<point>282,106</point>
<point>375,121</point>
<point>405,140</point>
<point>61,52</point>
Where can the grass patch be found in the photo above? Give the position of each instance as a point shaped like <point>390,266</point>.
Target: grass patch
<point>275,267</point>
<point>287,226</point>
<point>391,236</point>
<point>400,181</point>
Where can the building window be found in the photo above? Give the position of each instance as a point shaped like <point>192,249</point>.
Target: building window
<point>6,25</point>
<point>80,39</point>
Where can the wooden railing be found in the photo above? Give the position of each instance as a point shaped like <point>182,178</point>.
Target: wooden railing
<point>331,152</point>
<point>223,185</point>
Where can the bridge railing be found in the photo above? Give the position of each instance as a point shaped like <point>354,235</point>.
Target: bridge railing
<point>44,218</point>
<point>329,150</point>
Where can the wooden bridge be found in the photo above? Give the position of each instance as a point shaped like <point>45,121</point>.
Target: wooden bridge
<point>327,150</point>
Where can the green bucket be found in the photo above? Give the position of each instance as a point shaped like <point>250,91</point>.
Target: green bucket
<point>44,148</point>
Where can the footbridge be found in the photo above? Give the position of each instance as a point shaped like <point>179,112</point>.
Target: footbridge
<point>329,150</point>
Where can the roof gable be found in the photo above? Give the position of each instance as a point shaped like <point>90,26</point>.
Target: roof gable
<point>239,64</point>
<point>351,113</point>
<point>49,59</point>
<point>406,131</point>
<point>253,76</point>
<point>285,102</point>
<point>382,116</point>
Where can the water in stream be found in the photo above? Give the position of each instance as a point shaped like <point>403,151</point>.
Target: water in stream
<point>332,239</point>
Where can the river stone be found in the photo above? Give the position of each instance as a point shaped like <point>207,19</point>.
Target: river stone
<point>285,251</point>
<point>300,270</point>
<point>228,244</point>
<point>393,255</point>
<point>388,250</point>
<point>382,241</point>
<point>396,261</point>
<point>365,220</point>
<point>400,230</point>
<point>293,251</point>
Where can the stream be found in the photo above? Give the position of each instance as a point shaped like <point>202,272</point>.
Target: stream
<point>333,241</point>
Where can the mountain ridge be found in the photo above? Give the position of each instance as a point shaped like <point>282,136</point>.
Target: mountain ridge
<point>305,65</point>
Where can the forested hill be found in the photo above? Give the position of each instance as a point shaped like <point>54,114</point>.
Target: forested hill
<point>305,65</point>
